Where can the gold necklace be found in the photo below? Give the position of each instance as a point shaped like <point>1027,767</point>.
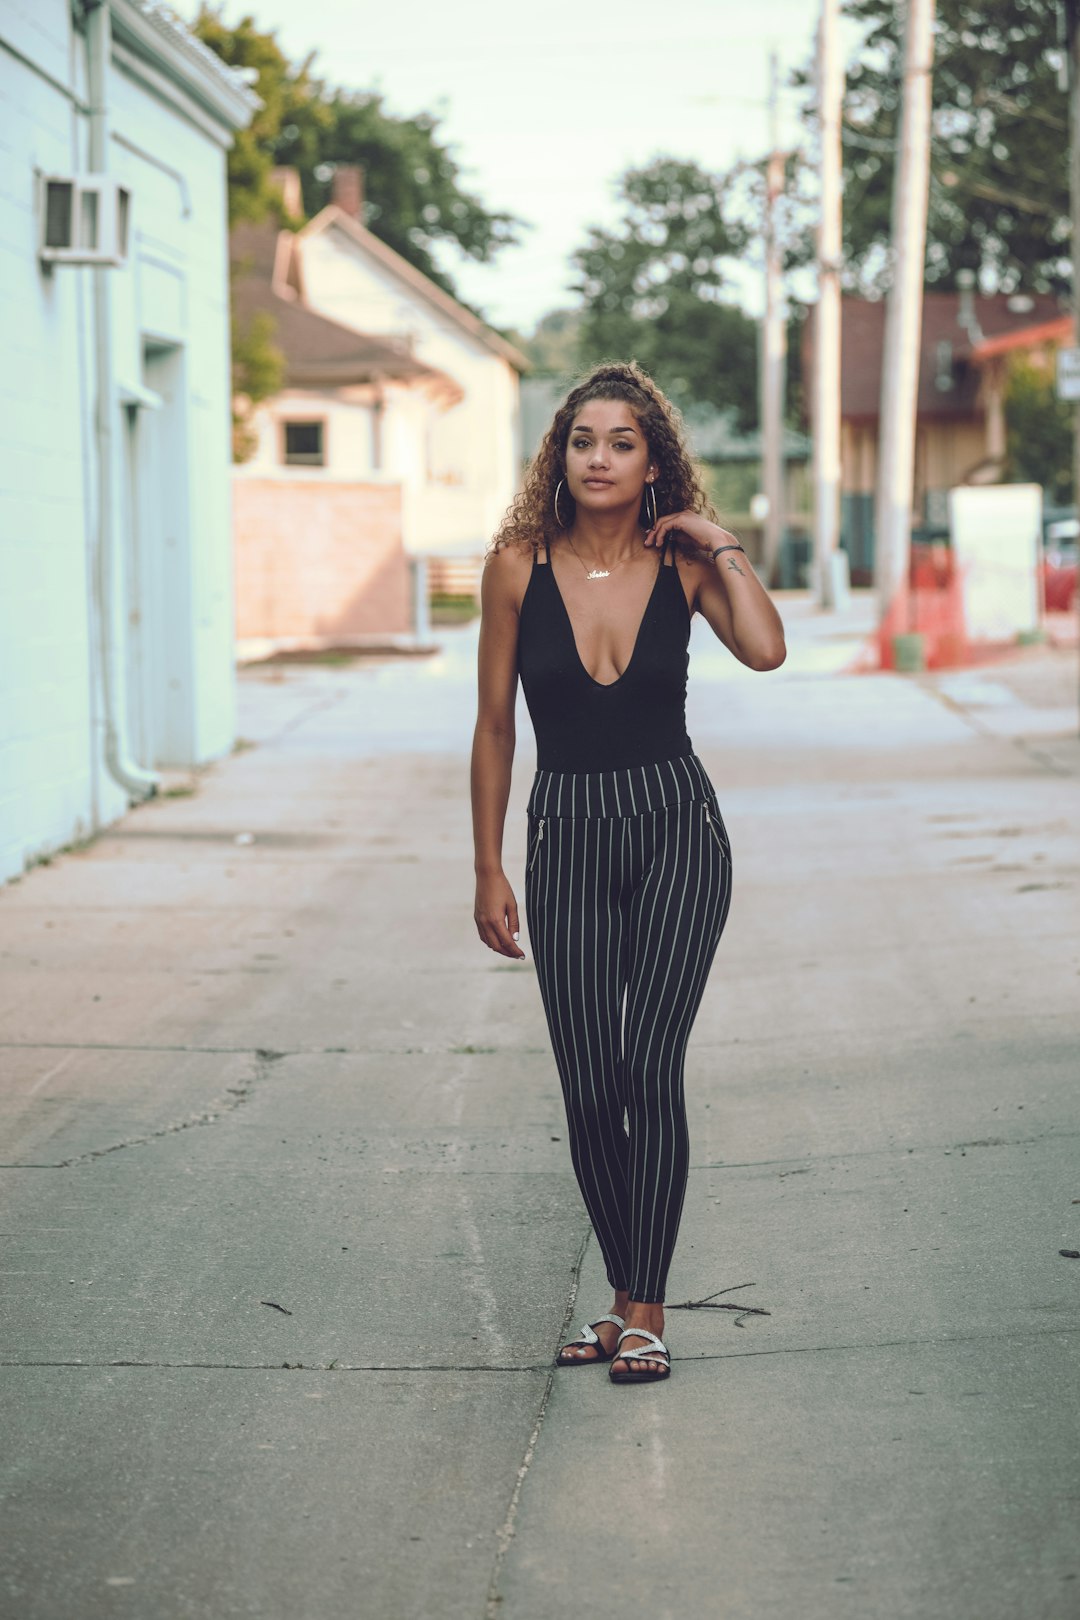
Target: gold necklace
<point>596,573</point>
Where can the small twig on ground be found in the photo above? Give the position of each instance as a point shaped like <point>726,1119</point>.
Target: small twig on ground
<point>274,1306</point>
<point>708,1304</point>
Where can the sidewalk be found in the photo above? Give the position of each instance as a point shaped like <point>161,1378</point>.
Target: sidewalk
<point>291,1233</point>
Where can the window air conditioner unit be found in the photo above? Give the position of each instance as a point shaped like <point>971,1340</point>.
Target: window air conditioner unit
<point>84,219</point>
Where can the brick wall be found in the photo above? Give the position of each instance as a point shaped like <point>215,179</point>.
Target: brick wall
<point>319,560</point>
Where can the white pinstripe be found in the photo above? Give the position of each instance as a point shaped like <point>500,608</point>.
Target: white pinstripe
<point>647,931</point>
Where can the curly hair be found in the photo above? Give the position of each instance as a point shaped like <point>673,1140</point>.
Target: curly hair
<point>530,518</point>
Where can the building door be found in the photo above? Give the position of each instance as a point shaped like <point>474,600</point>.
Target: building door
<point>158,563</point>
<point>137,680</point>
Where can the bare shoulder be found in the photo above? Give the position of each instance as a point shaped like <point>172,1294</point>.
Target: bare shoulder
<point>506,574</point>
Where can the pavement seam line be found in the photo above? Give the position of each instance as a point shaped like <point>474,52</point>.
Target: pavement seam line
<point>890,1149</point>
<point>938,1342</point>
<point>807,1161</point>
<point>1044,761</point>
<point>757,1041</point>
<point>505,1533</point>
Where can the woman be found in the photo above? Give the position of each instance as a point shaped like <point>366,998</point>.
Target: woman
<point>628,871</point>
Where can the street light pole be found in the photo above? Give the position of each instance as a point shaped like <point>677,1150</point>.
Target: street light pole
<point>830,578</point>
<point>903,331</point>
<point>773,344</point>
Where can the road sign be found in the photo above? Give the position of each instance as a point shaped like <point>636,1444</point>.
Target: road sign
<point>1068,374</point>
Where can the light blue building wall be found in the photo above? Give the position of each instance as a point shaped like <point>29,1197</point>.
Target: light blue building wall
<point>116,618</point>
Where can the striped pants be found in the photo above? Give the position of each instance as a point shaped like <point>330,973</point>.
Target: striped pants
<point>627,890</point>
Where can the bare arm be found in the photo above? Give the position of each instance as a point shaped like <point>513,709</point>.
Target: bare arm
<point>729,596</point>
<point>495,912</point>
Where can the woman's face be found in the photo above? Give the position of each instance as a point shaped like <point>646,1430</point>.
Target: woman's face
<point>607,458</point>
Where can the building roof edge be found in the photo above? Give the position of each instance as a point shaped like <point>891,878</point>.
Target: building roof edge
<point>153,30</point>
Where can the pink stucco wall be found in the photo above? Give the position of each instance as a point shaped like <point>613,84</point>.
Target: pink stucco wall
<point>316,559</point>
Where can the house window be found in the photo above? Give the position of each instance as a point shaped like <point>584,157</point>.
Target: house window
<point>305,444</point>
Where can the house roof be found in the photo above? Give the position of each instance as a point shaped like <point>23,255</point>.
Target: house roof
<point>948,350</point>
<point>334,217</point>
<point>1059,330</point>
<point>318,352</point>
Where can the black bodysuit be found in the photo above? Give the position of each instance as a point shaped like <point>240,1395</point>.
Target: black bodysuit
<point>586,725</point>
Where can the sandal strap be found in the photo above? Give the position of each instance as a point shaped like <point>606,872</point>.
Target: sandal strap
<point>656,1350</point>
<point>587,1336</point>
<point>642,1333</point>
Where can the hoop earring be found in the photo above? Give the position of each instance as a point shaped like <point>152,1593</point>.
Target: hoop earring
<point>650,500</point>
<point>558,517</point>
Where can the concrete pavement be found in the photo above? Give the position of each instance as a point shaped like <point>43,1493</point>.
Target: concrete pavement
<point>291,1234</point>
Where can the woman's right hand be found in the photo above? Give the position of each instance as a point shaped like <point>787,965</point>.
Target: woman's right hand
<point>496,915</point>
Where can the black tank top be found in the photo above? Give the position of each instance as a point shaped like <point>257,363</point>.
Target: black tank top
<point>582,724</point>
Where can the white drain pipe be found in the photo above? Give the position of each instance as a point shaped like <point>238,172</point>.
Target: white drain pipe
<point>139,783</point>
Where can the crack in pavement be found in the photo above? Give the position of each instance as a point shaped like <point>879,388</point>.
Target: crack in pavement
<point>234,1097</point>
<point>319,706</point>
<point>505,1533</point>
<point>213,1051</point>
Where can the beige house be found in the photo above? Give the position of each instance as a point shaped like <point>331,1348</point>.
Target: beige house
<point>319,504</point>
<point>473,459</point>
<point>391,452</point>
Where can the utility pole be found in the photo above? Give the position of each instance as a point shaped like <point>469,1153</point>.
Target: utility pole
<point>1072,42</point>
<point>773,351</point>
<point>903,330</point>
<point>830,572</point>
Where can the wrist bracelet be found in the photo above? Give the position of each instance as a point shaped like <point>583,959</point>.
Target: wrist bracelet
<point>714,554</point>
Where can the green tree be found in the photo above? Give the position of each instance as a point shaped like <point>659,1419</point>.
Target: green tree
<point>655,288</point>
<point>554,344</point>
<point>258,369</point>
<point>291,101</point>
<point>414,197</point>
<point>998,166</point>
<point>1039,429</point>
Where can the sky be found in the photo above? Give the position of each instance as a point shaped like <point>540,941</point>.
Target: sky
<point>544,106</point>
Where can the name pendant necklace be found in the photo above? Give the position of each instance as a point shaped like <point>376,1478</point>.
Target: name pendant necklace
<point>595,573</point>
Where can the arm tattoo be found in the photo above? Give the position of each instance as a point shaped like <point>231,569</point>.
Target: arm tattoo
<point>733,564</point>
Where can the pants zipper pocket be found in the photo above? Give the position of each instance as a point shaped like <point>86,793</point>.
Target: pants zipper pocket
<point>537,841</point>
<point>715,829</point>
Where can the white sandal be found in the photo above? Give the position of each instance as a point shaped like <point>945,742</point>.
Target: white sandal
<point>656,1351</point>
<point>587,1336</point>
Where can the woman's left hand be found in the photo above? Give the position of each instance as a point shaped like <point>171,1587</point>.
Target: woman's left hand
<point>704,536</point>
